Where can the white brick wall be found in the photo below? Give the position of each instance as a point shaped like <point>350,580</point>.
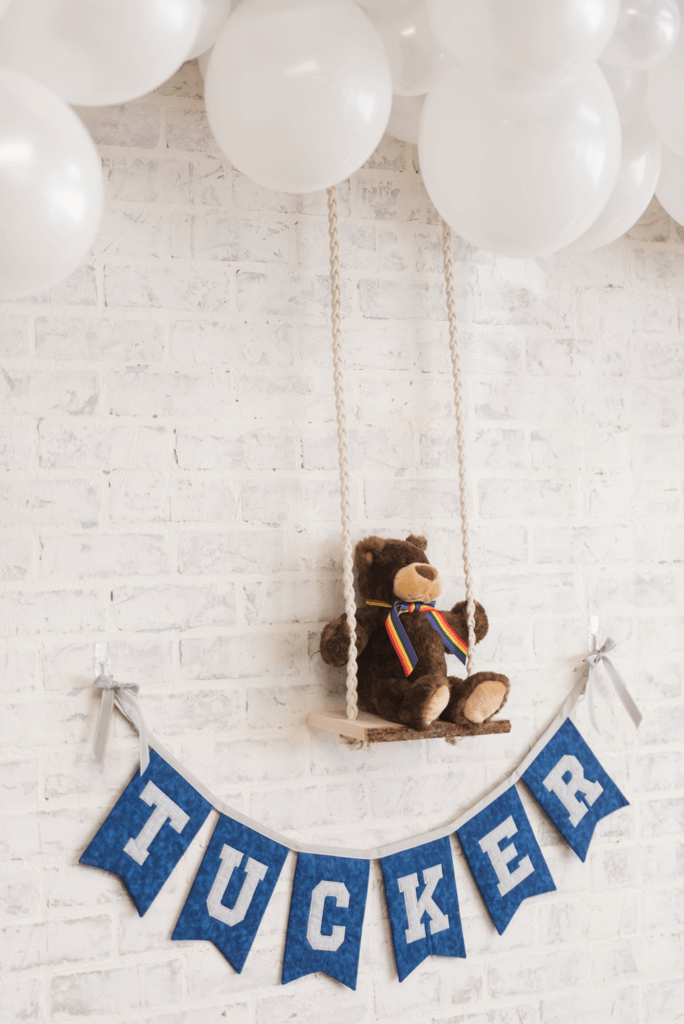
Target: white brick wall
<point>168,483</point>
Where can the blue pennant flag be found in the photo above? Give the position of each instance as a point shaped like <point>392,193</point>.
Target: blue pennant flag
<point>572,787</point>
<point>423,904</point>
<point>327,907</point>
<point>151,826</point>
<point>504,857</point>
<point>231,890</point>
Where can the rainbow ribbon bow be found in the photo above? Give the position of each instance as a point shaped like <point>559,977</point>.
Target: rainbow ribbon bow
<point>400,641</point>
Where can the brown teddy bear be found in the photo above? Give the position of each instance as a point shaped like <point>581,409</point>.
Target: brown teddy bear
<point>401,641</point>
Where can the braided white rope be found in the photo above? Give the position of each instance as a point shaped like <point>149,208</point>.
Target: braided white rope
<point>343,454</point>
<point>447,247</point>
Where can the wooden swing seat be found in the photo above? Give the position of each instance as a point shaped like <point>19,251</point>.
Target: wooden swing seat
<point>371,729</point>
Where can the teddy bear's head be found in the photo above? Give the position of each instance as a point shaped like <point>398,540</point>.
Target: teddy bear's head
<point>396,569</point>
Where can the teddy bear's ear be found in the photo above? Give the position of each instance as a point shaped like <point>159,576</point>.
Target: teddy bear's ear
<point>417,541</point>
<point>367,549</point>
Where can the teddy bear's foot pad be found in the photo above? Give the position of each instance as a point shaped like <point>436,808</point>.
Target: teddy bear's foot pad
<point>484,701</point>
<point>435,705</point>
<point>372,729</point>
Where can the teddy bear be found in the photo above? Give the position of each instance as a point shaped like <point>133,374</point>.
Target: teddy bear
<point>401,641</point>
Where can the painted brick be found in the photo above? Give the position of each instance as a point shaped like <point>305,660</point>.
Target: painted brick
<point>139,497</point>
<point>187,128</point>
<point>19,894</point>
<point>92,555</point>
<point>214,236</point>
<point>54,943</point>
<point>242,657</point>
<point>583,545</point>
<point>13,335</point>
<point>140,393</point>
<point>249,195</point>
<point>131,232</point>
<point>137,125</point>
<point>281,601</point>
<point>381,299</point>
<point>664,544</point>
<point>196,180</point>
<point>83,446</point>
<point>196,712</point>
<point>43,392</point>
<point>219,343</point>
<point>203,498</point>
<point>282,294</point>
<point>119,989</point>
<point>235,551</point>
<point>166,287</point>
<point>78,289</point>
<point>21,998</point>
<point>37,611</point>
<point>101,340</point>
<point>501,499</point>
<point>173,607</point>
<point>16,558</point>
<point>281,499</point>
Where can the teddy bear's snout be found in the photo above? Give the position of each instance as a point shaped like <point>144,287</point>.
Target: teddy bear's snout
<point>417,582</point>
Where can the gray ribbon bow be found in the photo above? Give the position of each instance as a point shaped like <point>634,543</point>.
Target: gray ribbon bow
<point>628,703</point>
<point>125,697</point>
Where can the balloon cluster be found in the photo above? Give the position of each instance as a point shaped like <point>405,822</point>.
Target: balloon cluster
<point>541,125</point>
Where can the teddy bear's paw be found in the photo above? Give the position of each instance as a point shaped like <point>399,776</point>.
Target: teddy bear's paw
<point>484,701</point>
<point>434,706</point>
<point>335,643</point>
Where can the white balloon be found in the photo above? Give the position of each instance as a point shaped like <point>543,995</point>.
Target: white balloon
<point>404,119</point>
<point>416,58</point>
<point>214,16</point>
<point>526,44</point>
<point>50,187</point>
<point>520,174</point>
<point>298,92</point>
<point>380,5</point>
<point>670,187</point>
<point>629,89</point>
<point>641,157</point>
<point>645,34</point>
<point>665,98</point>
<point>99,53</point>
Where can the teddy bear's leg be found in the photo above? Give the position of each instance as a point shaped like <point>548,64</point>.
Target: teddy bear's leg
<point>416,703</point>
<point>476,699</point>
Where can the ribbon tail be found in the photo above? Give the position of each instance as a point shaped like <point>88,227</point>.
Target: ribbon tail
<point>590,697</point>
<point>628,702</point>
<point>104,721</point>
<point>129,706</point>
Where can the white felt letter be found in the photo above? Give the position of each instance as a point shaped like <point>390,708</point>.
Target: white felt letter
<point>337,891</point>
<point>415,908</point>
<point>164,810</point>
<point>501,858</point>
<point>255,871</point>
<point>565,791</point>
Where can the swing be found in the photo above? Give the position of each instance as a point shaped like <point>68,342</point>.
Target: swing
<point>358,727</point>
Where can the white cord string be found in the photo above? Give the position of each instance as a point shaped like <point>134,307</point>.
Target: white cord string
<point>343,454</point>
<point>447,247</point>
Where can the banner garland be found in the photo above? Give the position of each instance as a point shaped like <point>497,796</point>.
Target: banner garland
<point>163,807</point>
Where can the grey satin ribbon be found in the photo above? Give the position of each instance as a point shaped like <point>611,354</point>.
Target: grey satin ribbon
<point>125,697</point>
<point>628,703</point>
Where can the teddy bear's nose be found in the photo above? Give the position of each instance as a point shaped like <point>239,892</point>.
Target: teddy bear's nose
<point>428,572</point>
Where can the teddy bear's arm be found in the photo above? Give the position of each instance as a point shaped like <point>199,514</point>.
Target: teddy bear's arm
<point>458,620</point>
<point>335,636</point>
